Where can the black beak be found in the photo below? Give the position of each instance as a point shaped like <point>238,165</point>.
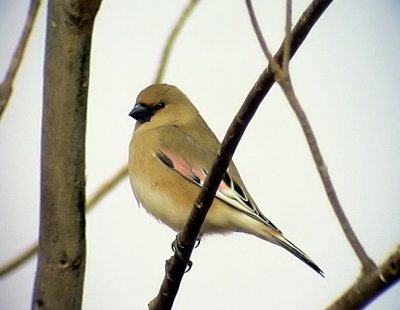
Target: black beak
<point>142,113</point>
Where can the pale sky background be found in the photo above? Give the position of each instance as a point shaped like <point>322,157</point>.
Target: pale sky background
<point>346,76</point>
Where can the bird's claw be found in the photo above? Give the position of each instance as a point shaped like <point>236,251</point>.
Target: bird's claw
<point>177,247</point>
<point>189,265</point>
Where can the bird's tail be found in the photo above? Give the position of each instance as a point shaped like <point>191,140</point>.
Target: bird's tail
<point>279,239</point>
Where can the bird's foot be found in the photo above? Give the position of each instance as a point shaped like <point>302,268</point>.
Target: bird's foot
<point>178,248</point>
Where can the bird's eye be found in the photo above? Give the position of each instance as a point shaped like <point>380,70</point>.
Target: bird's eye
<point>161,105</point>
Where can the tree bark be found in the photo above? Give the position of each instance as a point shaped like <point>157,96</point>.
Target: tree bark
<point>62,248</point>
<point>370,285</point>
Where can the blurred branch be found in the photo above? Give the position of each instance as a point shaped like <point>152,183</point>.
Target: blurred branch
<point>62,244</point>
<point>176,265</point>
<point>284,81</point>
<point>99,194</point>
<point>6,84</point>
<point>122,173</point>
<point>19,260</point>
<point>370,285</point>
<point>172,37</point>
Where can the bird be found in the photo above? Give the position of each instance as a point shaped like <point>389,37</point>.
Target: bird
<point>170,154</point>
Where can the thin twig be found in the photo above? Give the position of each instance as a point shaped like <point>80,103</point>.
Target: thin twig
<point>288,37</point>
<point>6,85</point>
<point>176,265</point>
<point>23,257</point>
<point>106,187</point>
<point>367,264</point>
<point>171,39</point>
<point>122,173</point>
<point>274,65</point>
<point>369,286</point>
<point>99,194</point>
<point>287,87</point>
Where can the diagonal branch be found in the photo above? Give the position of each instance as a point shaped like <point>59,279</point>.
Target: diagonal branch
<point>274,65</point>
<point>20,259</point>
<point>370,285</point>
<point>6,85</point>
<point>284,81</point>
<point>172,37</point>
<point>367,263</point>
<point>176,265</point>
<point>122,173</point>
<point>99,194</point>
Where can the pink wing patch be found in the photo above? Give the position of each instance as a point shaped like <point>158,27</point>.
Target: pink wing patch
<point>182,166</point>
<point>228,190</point>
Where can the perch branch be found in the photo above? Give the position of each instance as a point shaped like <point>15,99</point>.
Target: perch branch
<point>370,285</point>
<point>176,265</point>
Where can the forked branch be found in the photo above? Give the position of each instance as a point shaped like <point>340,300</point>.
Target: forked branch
<point>281,69</point>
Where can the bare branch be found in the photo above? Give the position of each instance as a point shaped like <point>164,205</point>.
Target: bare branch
<point>370,285</point>
<point>62,244</point>
<point>288,37</point>
<point>106,187</point>
<point>122,173</point>
<point>285,83</point>
<point>18,260</point>
<point>99,194</point>
<point>6,85</point>
<point>366,262</point>
<point>171,39</point>
<point>274,65</point>
<point>176,265</point>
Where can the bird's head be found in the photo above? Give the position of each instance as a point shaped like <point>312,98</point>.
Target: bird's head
<point>161,105</point>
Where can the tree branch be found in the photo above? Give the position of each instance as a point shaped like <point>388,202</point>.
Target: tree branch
<point>122,173</point>
<point>6,85</point>
<point>272,63</point>
<point>62,245</point>
<point>370,285</point>
<point>91,202</point>
<point>288,37</point>
<point>367,263</point>
<point>284,81</point>
<point>17,261</point>
<point>176,265</point>
<point>172,37</point>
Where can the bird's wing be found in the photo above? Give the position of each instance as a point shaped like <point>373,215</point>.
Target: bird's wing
<point>183,152</point>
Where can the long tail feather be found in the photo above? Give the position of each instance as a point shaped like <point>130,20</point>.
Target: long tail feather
<point>286,244</point>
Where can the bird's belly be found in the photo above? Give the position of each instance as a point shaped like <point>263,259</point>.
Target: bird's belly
<point>172,206</point>
<point>161,204</point>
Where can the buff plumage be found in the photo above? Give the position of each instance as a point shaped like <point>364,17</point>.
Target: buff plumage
<point>170,154</point>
